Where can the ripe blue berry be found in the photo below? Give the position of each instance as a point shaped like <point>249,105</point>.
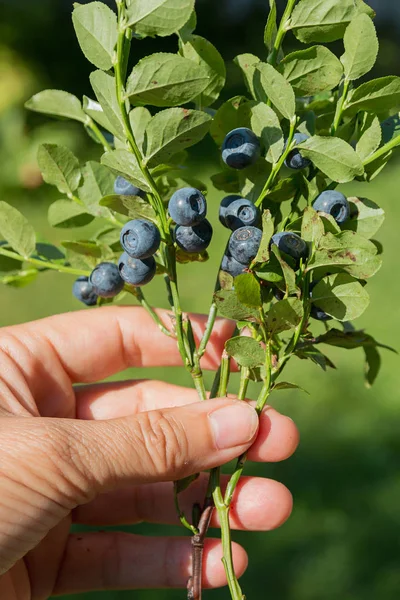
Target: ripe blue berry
<point>106,280</point>
<point>140,238</point>
<point>187,207</point>
<point>83,291</point>
<point>291,244</point>
<point>244,244</point>
<point>135,271</point>
<point>194,239</point>
<point>333,203</point>
<point>231,265</point>
<point>241,148</point>
<point>241,213</point>
<point>294,159</point>
<point>122,187</point>
<point>225,203</point>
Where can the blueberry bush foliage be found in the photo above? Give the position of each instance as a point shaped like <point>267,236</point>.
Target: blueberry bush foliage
<point>299,250</point>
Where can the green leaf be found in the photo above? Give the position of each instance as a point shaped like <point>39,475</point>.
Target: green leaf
<point>288,274</point>
<point>124,163</point>
<point>284,315</point>
<point>17,230</point>
<point>271,85</point>
<point>49,252</point>
<point>183,484</point>
<point>57,104</point>
<point>253,179</point>
<point>372,365</point>
<point>204,53</point>
<point>65,214</point>
<point>270,271</point>
<point>104,87</point>
<point>334,157</point>
<point>189,27</point>
<point>265,124</point>
<point>7,264</point>
<point>312,228</point>
<point>370,137</point>
<point>59,167</point>
<point>285,189</point>
<point>285,385</point>
<point>312,71</point>
<point>98,181</point>
<point>86,248</point>
<point>226,181</point>
<point>139,118</point>
<point>172,130</point>
<point>271,28</point>
<point>268,232</point>
<point>158,17</point>
<point>247,64</point>
<point>341,296</point>
<point>350,340</point>
<point>324,20</point>
<point>165,79</point>
<point>95,111</point>
<point>185,258</point>
<point>349,251</point>
<point>248,290</point>
<point>20,279</point>
<point>232,114</point>
<point>361,47</point>
<point>374,96</point>
<point>391,128</point>
<point>130,206</point>
<point>366,217</point>
<point>374,168</point>
<point>316,356</point>
<point>230,307</point>
<point>246,352</point>
<point>96,29</point>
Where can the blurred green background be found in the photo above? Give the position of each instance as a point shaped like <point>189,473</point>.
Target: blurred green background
<point>343,539</point>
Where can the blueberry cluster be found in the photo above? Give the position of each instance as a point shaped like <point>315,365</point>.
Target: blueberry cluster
<point>188,209</point>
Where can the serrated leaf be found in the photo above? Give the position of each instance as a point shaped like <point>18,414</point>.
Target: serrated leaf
<point>366,217</point>
<point>271,85</point>
<point>350,340</point>
<point>139,118</point>
<point>189,27</point>
<point>324,20</point>
<point>334,157</point>
<point>229,306</point>
<point>95,111</point>
<point>98,181</point>
<point>246,351</point>
<point>158,17</point>
<point>57,103</point>
<point>104,87</point>
<point>265,124</point>
<point>268,231</point>
<point>374,168</point>
<point>130,206</point>
<point>316,356</point>
<point>17,230</point>
<point>96,29</point>
<point>232,114</point>
<point>285,385</point>
<point>361,47</point>
<point>341,297</point>
<point>312,227</point>
<point>271,28</point>
<point>59,167</point>
<point>288,274</point>
<point>86,248</point>
<point>172,130</point>
<point>124,163</point>
<point>165,80</point>
<point>66,214</point>
<point>248,290</point>
<point>204,53</point>
<point>284,315</point>
<point>247,64</point>
<point>374,96</point>
<point>312,71</point>
<point>370,137</point>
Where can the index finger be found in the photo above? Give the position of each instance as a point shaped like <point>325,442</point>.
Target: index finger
<point>94,344</point>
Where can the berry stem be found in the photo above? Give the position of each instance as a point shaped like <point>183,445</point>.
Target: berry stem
<point>281,33</point>
<point>98,134</point>
<point>38,262</point>
<point>138,294</point>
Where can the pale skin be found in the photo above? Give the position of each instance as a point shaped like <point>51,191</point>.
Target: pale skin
<point>106,454</point>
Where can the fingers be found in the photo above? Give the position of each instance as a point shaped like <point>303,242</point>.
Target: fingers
<point>258,505</point>
<point>277,437</point>
<point>92,345</point>
<point>113,560</point>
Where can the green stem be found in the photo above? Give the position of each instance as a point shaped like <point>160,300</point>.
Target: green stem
<point>138,294</point>
<point>244,383</point>
<point>281,33</point>
<point>382,151</point>
<point>97,132</point>
<point>212,315</point>
<point>44,264</point>
<point>340,107</point>
<point>181,514</point>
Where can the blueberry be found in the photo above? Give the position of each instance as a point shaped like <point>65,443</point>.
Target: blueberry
<point>319,314</point>
<point>194,239</point>
<point>135,271</point>
<point>231,265</point>
<point>140,238</point>
<point>291,244</point>
<point>187,207</point>
<point>241,148</point>
<point>106,280</point>
<point>83,291</point>
<point>122,187</point>
<point>241,213</point>
<point>333,203</point>
<point>244,244</point>
<point>225,203</point>
<point>294,159</point>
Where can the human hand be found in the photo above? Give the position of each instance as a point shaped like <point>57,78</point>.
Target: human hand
<point>106,454</point>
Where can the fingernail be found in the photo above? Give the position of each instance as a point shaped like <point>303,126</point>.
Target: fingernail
<point>234,425</point>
